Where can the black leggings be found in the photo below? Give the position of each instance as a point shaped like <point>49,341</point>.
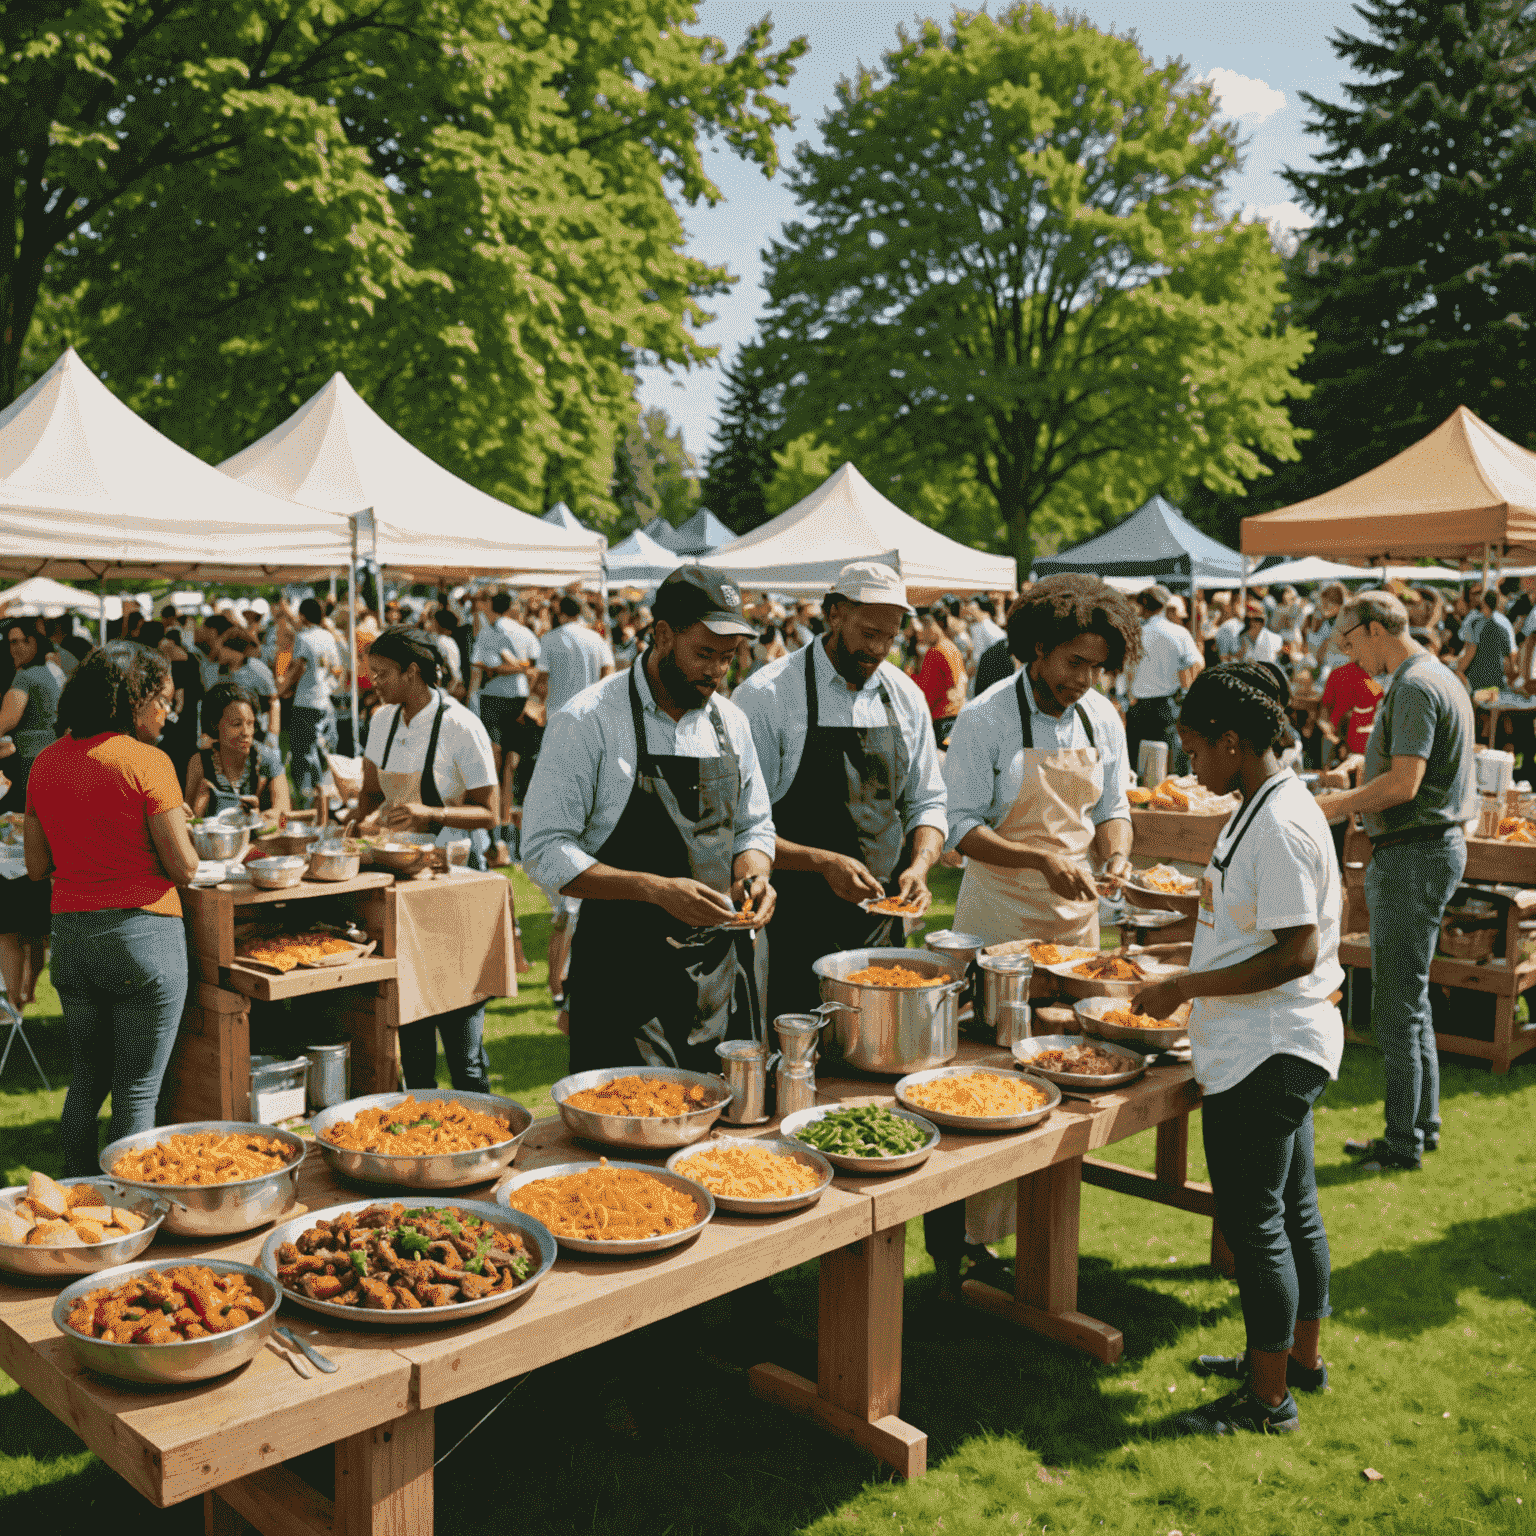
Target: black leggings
<point>1258,1149</point>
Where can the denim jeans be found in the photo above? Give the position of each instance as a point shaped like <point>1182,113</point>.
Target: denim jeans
<point>1406,889</point>
<point>1258,1150</point>
<point>122,979</point>
<point>309,731</point>
<point>463,1032</point>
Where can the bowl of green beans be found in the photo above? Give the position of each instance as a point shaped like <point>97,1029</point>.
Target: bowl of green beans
<point>864,1138</point>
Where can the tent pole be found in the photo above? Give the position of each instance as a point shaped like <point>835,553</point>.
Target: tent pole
<point>352,640</point>
<point>101,610</point>
<point>1485,567</point>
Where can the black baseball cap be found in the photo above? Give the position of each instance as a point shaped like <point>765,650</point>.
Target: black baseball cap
<point>694,595</point>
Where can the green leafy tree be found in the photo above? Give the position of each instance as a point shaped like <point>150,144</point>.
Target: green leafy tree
<point>658,477</point>
<point>466,205</point>
<point>1011,258</point>
<point>741,464</point>
<point>1419,278</point>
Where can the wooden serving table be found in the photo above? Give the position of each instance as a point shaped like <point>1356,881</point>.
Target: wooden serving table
<point>444,941</point>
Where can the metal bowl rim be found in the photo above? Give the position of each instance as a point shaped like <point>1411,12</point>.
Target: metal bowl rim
<point>1022,1120</point>
<point>186,1127</point>
<point>792,1148</point>
<point>106,1278</point>
<point>376,1101</point>
<point>621,1247</point>
<point>1082,1081</point>
<point>1152,1036</point>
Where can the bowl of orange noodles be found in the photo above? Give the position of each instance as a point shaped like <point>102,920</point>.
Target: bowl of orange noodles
<point>617,1210</point>
<point>755,1175</point>
<point>979,1097</point>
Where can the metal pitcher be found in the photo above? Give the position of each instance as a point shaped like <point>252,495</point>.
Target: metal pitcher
<point>1004,983</point>
<point>330,1075</point>
<point>795,1087</point>
<point>744,1065</point>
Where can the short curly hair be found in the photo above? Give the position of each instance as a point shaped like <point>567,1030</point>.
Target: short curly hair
<point>1061,608</point>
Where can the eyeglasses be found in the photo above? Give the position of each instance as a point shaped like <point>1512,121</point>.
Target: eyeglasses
<point>1353,627</point>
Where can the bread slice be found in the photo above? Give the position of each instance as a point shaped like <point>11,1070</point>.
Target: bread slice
<point>46,1233</point>
<point>88,1231</point>
<point>101,1214</point>
<point>84,1194</point>
<point>67,1237</point>
<point>48,1197</point>
<point>129,1221</point>
<point>13,1229</point>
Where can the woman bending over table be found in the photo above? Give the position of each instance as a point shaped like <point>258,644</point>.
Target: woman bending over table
<point>105,819</point>
<point>235,771</point>
<point>1266,1039</point>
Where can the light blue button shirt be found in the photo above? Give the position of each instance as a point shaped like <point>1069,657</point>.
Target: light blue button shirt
<point>984,766</point>
<point>773,700</point>
<point>1166,649</point>
<point>587,766</point>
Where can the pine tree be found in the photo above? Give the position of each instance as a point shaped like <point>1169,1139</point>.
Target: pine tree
<point>1419,279</point>
<point>740,466</point>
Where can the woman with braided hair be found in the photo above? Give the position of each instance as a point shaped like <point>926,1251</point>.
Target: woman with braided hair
<point>1266,1038</point>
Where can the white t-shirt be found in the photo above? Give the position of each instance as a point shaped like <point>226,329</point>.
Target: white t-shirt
<point>1166,650</point>
<point>1267,646</point>
<point>463,760</point>
<point>1282,874</point>
<point>315,648</point>
<point>504,635</point>
<point>574,657</point>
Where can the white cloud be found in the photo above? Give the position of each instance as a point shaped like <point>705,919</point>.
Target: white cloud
<point>1240,96</point>
<point>1284,216</point>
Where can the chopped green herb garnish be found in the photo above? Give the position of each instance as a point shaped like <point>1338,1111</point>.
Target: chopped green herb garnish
<point>360,1263</point>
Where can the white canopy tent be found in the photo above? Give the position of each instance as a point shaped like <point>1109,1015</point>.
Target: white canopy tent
<point>845,518</point>
<point>90,490</point>
<point>639,561</point>
<point>561,516</point>
<point>42,594</point>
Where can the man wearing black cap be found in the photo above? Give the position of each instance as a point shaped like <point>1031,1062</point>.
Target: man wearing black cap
<point>649,805</point>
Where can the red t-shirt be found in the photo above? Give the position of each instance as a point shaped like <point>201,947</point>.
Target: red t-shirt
<point>1349,691</point>
<point>94,799</point>
<point>942,679</point>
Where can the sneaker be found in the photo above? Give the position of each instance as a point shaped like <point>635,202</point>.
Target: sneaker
<point>1364,1148</point>
<point>1237,1410</point>
<point>1235,1367</point>
<point>1432,1141</point>
<point>1385,1160</point>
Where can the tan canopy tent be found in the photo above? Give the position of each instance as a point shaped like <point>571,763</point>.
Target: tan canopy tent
<point>1457,494</point>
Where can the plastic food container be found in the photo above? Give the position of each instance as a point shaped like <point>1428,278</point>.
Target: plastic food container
<point>278,1088</point>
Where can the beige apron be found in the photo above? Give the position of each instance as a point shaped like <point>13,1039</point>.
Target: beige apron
<point>419,786</point>
<point>1050,815</point>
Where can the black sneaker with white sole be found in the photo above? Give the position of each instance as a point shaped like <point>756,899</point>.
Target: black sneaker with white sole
<point>1240,1410</point>
<point>1298,1377</point>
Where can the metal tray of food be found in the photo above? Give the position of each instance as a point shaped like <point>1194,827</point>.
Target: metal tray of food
<point>1186,902</point>
<point>1091,1011</point>
<point>624,1248</point>
<point>443,1170</point>
<point>642,1133</point>
<point>1092,986</point>
<point>185,1361</point>
<point>1025,1053</point>
<point>42,1261</point>
<point>534,1233</point>
<point>781,1146</point>
<point>864,1166</point>
<point>975,1123</point>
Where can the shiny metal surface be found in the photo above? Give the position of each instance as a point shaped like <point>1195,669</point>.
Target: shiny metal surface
<point>216,841</point>
<point>1091,1011</point>
<point>862,1166</point>
<point>704,1204</point>
<point>535,1234</point>
<point>308,1350</point>
<point>170,1365</point>
<point>963,947</point>
<point>298,838</point>
<point>744,1066</point>
<point>1025,1052</point>
<point>1003,985</point>
<point>643,1133</point>
<point>56,1264</point>
<point>794,1087</point>
<point>782,1146</point>
<point>212,1210</point>
<point>335,861</point>
<point>891,1031</point>
<point>973,1123</point>
<point>1013,1021</point>
<point>398,859</point>
<point>799,1034</point>
<point>277,874</point>
<point>330,1074</point>
<point>445,1170</point>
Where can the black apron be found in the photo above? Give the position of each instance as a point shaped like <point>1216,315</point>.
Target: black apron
<point>226,796</point>
<point>844,799</point>
<point>645,989</point>
<point>431,795</point>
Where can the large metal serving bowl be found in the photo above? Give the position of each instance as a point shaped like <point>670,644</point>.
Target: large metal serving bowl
<point>979,1122</point>
<point>277,874</point>
<point>538,1237</point>
<point>400,860</point>
<point>624,1248</point>
<point>780,1146</point>
<point>297,838</point>
<point>1026,1052</point>
<point>187,1360</point>
<point>641,1133</point>
<point>1091,1011</point>
<point>214,1210</point>
<point>218,840</point>
<point>863,1166</point>
<point>336,861</point>
<point>443,1170</point>
<point>891,1031</point>
<point>44,1263</point>
<point>1148,896</point>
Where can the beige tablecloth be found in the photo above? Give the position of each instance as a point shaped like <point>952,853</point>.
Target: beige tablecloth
<point>453,939</point>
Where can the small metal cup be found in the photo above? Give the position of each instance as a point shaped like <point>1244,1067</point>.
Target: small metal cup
<point>330,1073</point>
<point>795,1088</point>
<point>744,1065</point>
<point>1012,1022</point>
<point>798,1034</point>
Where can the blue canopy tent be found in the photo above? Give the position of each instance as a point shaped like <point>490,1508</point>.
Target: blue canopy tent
<point>1155,540</point>
<point>702,534</point>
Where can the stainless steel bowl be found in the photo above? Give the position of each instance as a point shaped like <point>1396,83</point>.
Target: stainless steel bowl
<point>891,1031</point>
<point>704,1204</point>
<point>1118,991</point>
<point>277,874</point>
<point>213,1210</point>
<point>535,1234</point>
<point>187,1360</point>
<point>400,859</point>
<point>43,1263</point>
<point>980,1122</point>
<point>296,838</point>
<point>642,1133</point>
<point>962,948</point>
<point>1091,1011</point>
<point>215,840</point>
<point>1026,1052</point>
<point>336,861</point>
<point>445,1170</point>
<point>862,1166</point>
<point>781,1146</point>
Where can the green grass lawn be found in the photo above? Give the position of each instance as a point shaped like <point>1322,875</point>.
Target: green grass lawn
<point>1432,1352</point>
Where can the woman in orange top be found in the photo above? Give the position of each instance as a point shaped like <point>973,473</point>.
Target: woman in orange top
<point>941,675</point>
<point>105,819</point>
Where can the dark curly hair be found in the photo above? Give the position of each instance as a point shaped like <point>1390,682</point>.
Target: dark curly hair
<point>1061,608</point>
<point>220,697</point>
<point>108,688</point>
<point>1249,697</point>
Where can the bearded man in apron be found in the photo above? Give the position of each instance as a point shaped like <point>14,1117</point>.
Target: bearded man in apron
<point>847,749</point>
<point>649,805</point>
<point>1037,772</point>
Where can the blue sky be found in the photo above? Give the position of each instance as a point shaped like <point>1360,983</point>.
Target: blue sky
<point>1269,52</point>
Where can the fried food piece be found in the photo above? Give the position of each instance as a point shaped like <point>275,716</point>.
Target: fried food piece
<point>897,906</point>
<point>1126,1018</point>
<point>190,1301</point>
<point>1110,968</point>
<point>1084,1060</point>
<point>643,1097</point>
<point>48,1197</point>
<point>284,951</point>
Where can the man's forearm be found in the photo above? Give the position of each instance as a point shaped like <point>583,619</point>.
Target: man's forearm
<point>602,882</point>
<point>983,844</point>
<point>799,856</point>
<point>1112,840</point>
<point>927,850</point>
<point>1381,794</point>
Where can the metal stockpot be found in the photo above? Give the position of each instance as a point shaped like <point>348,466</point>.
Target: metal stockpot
<point>891,1031</point>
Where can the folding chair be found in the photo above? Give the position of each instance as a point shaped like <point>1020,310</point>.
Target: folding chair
<point>10,1014</point>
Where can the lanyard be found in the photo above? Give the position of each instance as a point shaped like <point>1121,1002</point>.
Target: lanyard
<point>1221,865</point>
<point>1028,730</point>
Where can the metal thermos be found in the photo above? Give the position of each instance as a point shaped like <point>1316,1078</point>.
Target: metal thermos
<point>1005,983</point>
<point>1152,763</point>
<point>1012,1023</point>
<point>744,1065</point>
<point>795,1087</point>
<point>330,1074</point>
<point>799,1034</point>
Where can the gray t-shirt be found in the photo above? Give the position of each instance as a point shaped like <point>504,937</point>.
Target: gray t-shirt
<point>315,648</point>
<point>1427,714</point>
<point>34,730</point>
<point>574,656</point>
<point>1494,637</point>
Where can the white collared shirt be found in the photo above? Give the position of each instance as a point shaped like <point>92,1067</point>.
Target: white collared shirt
<point>773,700</point>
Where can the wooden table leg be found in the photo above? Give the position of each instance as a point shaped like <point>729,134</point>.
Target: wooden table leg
<point>1045,1268</point>
<point>858,1355</point>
